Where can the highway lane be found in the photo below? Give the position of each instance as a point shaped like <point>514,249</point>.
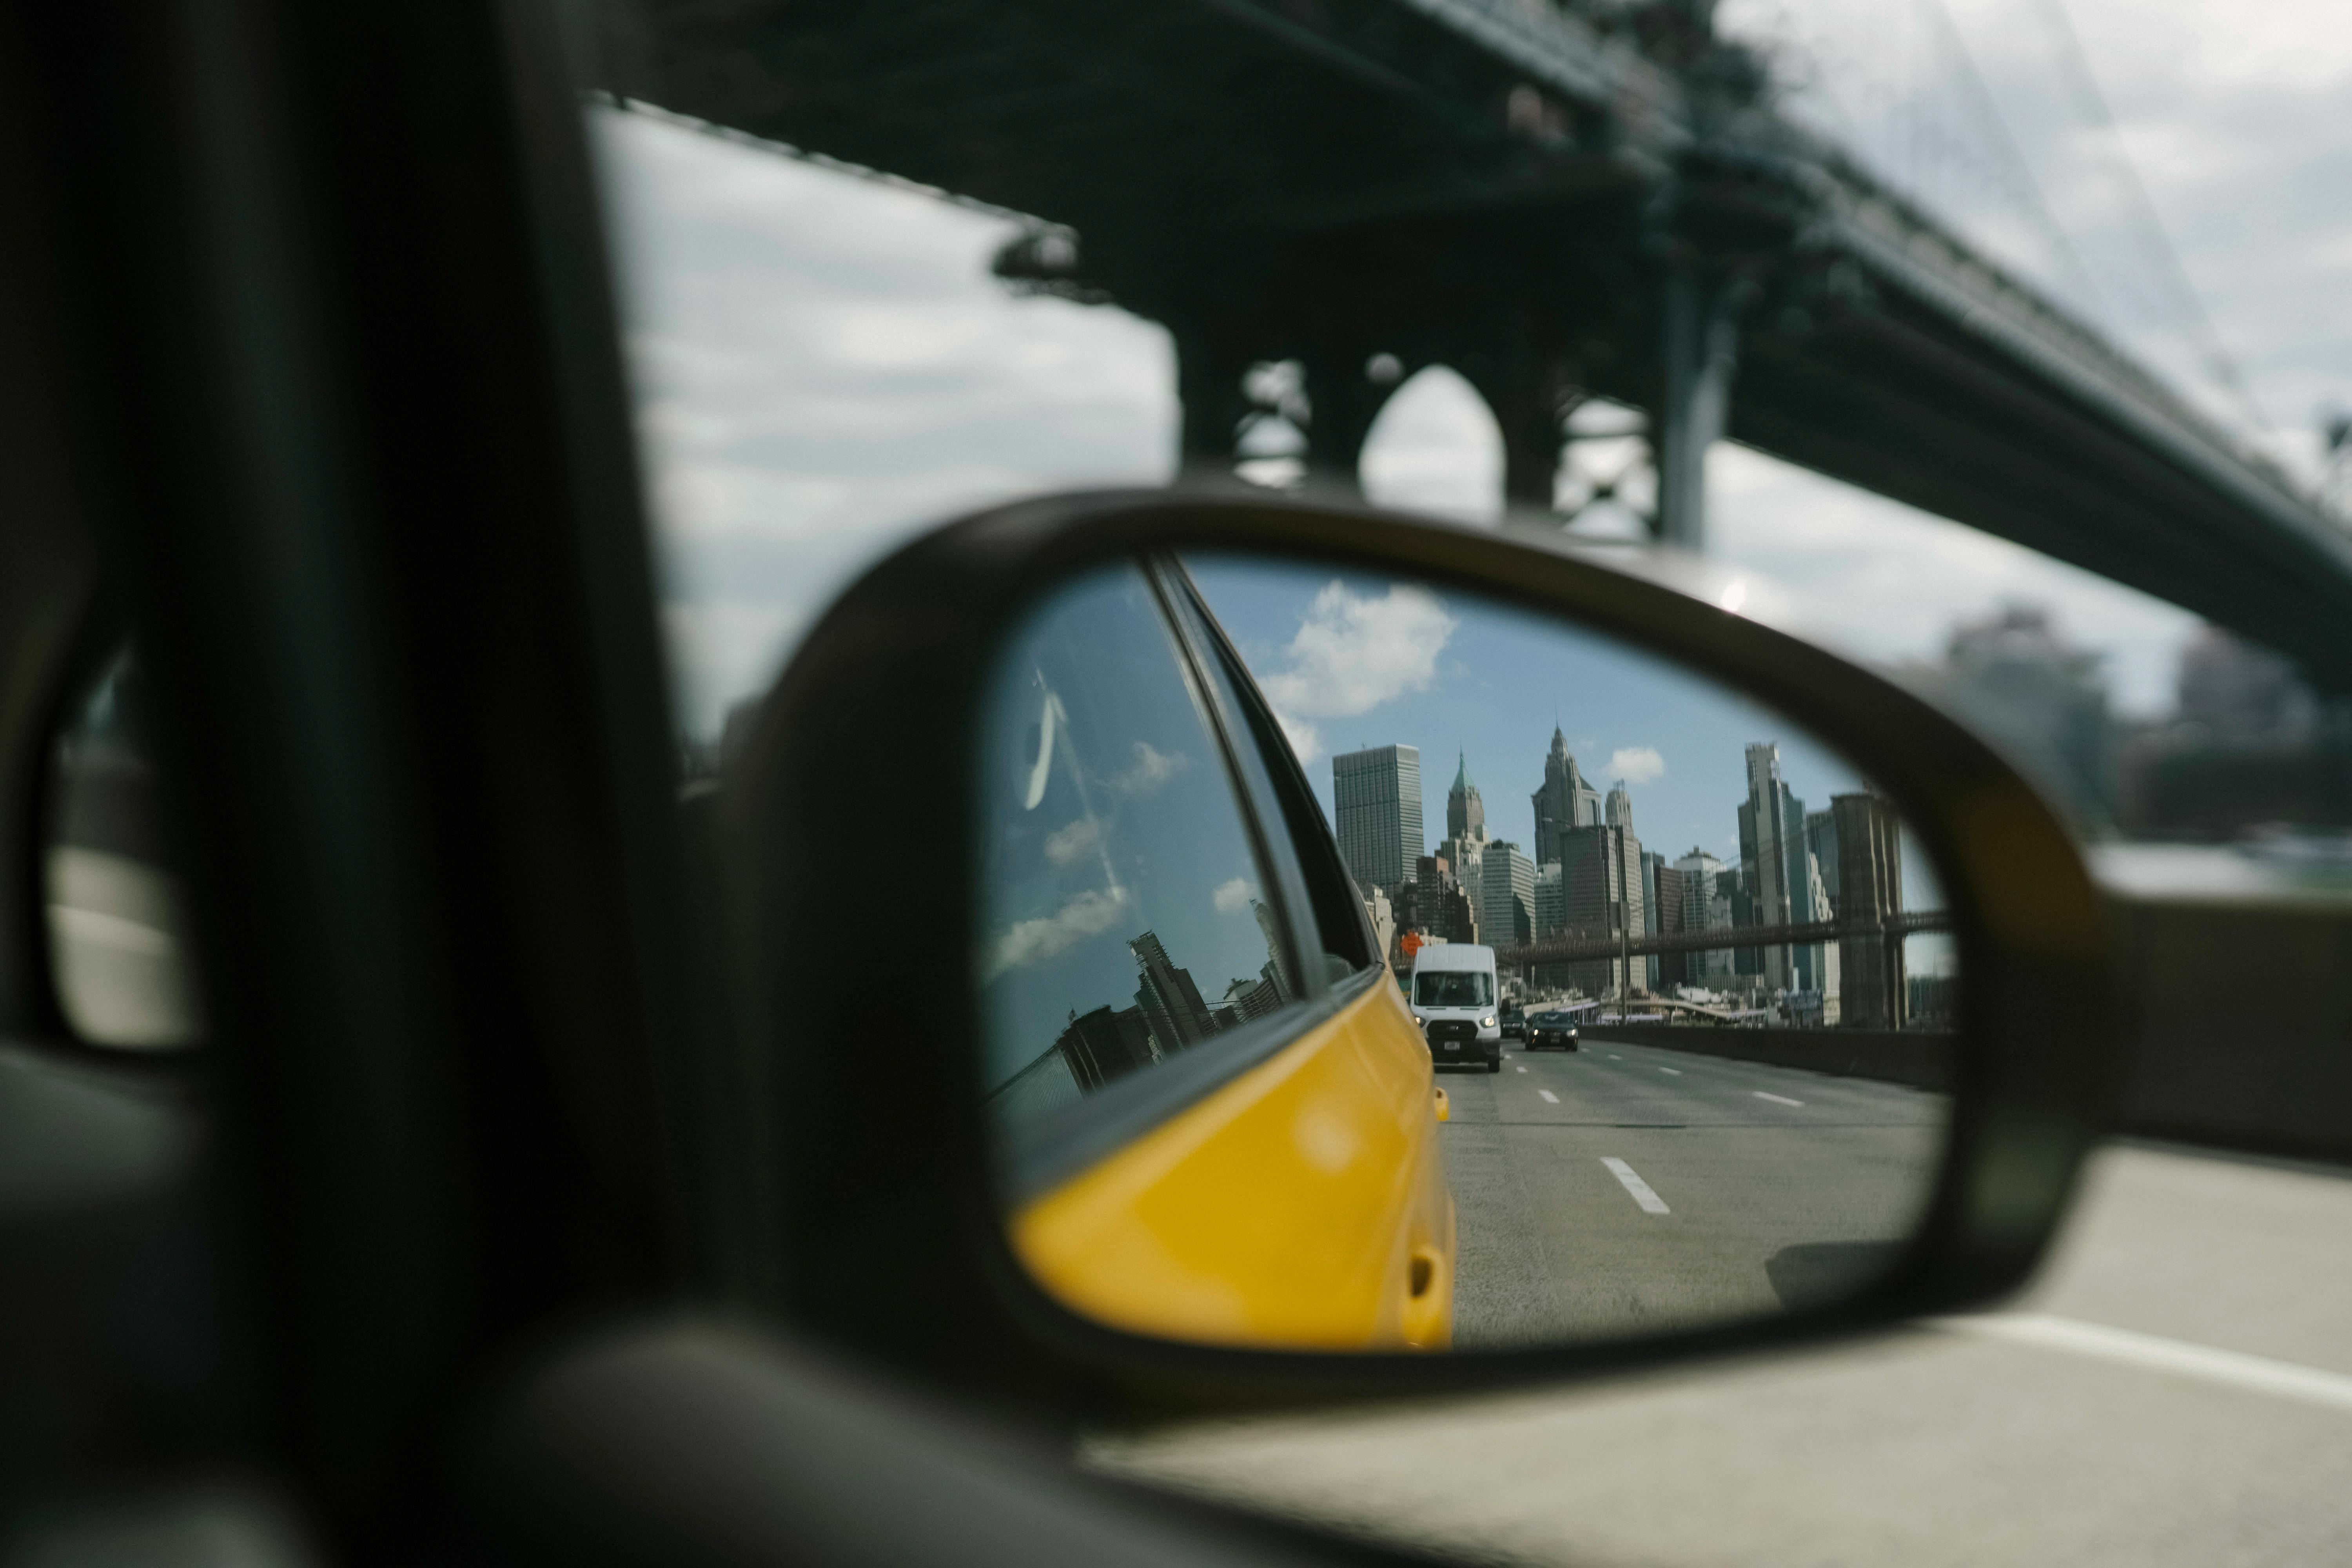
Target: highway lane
<point>1626,1189</point>
<point>1954,1446</point>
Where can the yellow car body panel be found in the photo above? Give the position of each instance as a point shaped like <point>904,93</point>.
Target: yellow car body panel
<point>1301,1206</point>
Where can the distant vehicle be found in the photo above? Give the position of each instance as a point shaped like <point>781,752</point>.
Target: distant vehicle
<point>1514,1020</point>
<point>1550,1029</point>
<point>1453,996</point>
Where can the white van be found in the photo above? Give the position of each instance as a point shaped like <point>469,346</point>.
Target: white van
<point>1453,995</point>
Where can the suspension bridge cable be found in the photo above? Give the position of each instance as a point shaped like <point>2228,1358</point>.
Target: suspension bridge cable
<point>2153,237</point>
<point>1994,125</point>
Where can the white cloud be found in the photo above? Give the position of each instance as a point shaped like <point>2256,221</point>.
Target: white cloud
<point>1067,845</point>
<point>1306,740</point>
<point>1152,770</point>
<point>1088,914</point>
<point>1889,583</point>
<point>1636,765</point>
<point>824,367</point>
<point>1352,654</point>
<point>1234,897</point>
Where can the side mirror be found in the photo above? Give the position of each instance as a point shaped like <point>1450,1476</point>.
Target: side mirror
<point>1102,1061</point>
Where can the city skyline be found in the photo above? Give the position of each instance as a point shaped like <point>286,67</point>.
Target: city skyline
<point>1490,695</point>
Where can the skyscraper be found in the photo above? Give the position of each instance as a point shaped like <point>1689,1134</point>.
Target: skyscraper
<point>1171,1002</point>
<point>1706,906</point>
<point>1600,892</point>
<point>1466,814</point>
<point>1376,794</point>
<point>1872,989</point>
<point>1784,883</point>
<point>1506,894</point>
<point>1653,913</point>
<point>1565,801</point>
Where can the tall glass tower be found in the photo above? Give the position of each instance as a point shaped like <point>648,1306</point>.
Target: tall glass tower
<point>1376,796</point>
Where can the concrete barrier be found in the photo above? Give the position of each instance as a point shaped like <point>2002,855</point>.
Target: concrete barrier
<point>1922,1058</point>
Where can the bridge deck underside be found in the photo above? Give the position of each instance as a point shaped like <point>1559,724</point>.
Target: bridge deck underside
<point>1335,179</point>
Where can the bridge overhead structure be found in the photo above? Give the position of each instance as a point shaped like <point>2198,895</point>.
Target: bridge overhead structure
<point>1553,211</point>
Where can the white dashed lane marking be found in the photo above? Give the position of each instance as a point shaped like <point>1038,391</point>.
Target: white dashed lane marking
<point>1677,1072</point>
<point>1776,1099</point>
<point>1549,1095</point>
<point>1650,1201</point>
<point>1616,1058</point>
<point>1523,1069</point>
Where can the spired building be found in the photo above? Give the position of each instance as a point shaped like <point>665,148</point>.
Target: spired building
<point>1565,801</point>
<point>1466,814</point>
<point>1376,794</point>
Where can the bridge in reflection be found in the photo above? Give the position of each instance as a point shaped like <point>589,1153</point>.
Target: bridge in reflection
<point>1586,946</point>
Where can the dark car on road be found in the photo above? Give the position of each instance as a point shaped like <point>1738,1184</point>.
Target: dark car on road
<point>1514,1020</point>
<point>1546,1030</point>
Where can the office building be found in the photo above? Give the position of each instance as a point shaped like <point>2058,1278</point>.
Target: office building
<point>1821,838</point>
<point>1104,1045</point>
<point>1376,796</point>
<point>1506,899</point>
<point>1601,895</point>
<point>1438,905</point>
<point>1706,885</point>
<point>1662,899</point>
<point>1870,877</point>
<point>1171,1004</point>
<point>1783,883</point>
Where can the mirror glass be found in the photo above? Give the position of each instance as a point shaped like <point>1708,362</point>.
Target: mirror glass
<point>1369,965</point>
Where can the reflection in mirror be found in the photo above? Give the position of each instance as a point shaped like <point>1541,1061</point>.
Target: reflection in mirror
<point>119,962</point>
<point>1656,1038</point>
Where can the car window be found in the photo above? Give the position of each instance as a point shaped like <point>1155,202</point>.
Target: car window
<point>1127,919</point>
<point>1334,918</point>
<point>1453,988</point>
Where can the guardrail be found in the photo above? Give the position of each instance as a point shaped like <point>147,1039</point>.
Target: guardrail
<point>1922,1059</point>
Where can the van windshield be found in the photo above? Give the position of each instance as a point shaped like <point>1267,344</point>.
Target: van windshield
<point>1453,988</point>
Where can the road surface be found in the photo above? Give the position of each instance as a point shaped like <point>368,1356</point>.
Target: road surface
<point>2175,1391</point>
<point>1628,1189</point>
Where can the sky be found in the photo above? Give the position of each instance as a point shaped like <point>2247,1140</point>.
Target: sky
<point>824,368</point>
<point>1349,661</point>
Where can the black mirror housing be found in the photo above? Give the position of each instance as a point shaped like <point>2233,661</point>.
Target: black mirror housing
<point>870,1164</point>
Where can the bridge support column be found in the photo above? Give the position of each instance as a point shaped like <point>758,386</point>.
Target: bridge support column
<point>1209,368</point>
<point>1702,354</point>
<point>1345,399</point>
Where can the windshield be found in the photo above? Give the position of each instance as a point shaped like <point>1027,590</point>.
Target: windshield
<point>1453,988</point>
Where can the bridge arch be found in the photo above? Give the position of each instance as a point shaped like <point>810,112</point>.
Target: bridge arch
<point>1434,447</point>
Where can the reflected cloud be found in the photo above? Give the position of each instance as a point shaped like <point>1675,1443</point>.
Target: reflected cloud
<point>1089,914</point>
<point>1152,770</point>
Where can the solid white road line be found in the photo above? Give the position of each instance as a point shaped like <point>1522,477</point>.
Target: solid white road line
<point>1675,1072</point>
<point>2258,1373</point>
<point>1651,1203</point>
<point>1776,1099</point>
<point>1548,1095</point>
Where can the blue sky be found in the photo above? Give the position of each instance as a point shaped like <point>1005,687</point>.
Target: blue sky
<point>1351,661</point>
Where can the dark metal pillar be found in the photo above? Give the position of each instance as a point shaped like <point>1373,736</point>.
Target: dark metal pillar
<point>1529,391</point>
<point>1702,354</point>
<point>1345,397</point>
<point>1210,365</point>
